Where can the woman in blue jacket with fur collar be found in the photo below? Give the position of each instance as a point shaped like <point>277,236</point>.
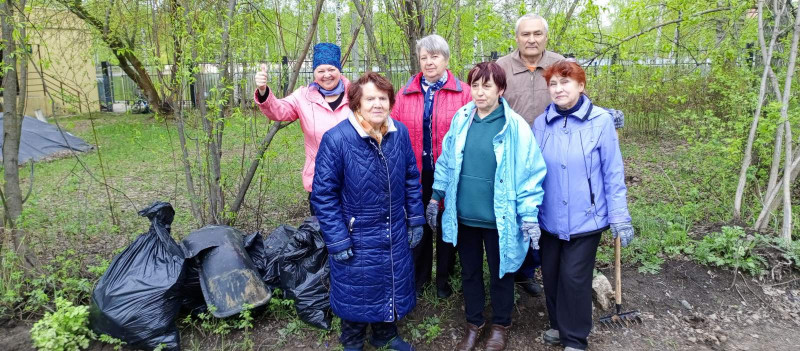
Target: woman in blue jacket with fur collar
<point>490,174</point>
<point>368,200</point>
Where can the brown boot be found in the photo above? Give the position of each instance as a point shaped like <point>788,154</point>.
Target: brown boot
<point>470,339</point>
<point>497,338</point>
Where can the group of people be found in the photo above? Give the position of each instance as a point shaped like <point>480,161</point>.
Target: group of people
<point>516,163</point>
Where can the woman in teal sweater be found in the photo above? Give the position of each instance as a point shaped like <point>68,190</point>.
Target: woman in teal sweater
<point>490,176</point>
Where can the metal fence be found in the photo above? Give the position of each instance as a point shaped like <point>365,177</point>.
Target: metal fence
<point>123,90</point>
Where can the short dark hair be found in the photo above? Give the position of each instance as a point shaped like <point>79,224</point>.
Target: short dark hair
<point>485,71</point>
<point>565,68</point>
<point>355,91</point>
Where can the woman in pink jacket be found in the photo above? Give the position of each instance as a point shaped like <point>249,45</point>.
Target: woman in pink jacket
<point>319,106</point>
<point>426,105</point>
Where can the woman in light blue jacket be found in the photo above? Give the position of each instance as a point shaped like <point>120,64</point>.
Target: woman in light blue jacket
<point>489,174</point>
<point>585,195</point>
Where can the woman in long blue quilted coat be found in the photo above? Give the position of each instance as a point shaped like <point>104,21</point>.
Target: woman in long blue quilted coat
<point>368,201</point>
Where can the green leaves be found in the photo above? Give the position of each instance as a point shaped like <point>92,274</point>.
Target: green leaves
<point>731,248</point>
<point>66,329</point>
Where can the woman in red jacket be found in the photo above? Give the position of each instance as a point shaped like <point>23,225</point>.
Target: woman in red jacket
<point>426,105</point>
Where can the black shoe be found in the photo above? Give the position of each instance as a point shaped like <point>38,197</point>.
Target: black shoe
<point>444,292</point>
<point>531,287</point>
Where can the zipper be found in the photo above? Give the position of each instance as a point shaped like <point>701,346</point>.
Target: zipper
<point>350,225</point>
<point>392,300</point>
<point>433,128</point>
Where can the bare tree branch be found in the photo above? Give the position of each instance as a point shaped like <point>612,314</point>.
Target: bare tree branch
<point>652,28</point>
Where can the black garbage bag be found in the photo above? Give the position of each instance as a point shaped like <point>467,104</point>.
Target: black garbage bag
<point>305,275</point>
<point>192,300</point>
<point>271,258</point>
<point>138,297</point>
<point>254,245</point>
<point>228,278</point>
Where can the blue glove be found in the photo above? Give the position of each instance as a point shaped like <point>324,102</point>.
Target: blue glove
<point>432,214</point>
<point>624,231</point>
<point>414,235</point>
<point>343,255</point>
<point>531,231</point>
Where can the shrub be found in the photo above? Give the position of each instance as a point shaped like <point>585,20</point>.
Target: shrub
<point>65,329</point>
<point>732,247</point>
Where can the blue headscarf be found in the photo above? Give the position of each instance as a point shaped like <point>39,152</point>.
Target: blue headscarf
<point>327,54</point>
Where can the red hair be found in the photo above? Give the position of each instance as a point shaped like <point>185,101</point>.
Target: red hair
<point>354,92</point>
<point>486,71</point>
<point>565,69</point>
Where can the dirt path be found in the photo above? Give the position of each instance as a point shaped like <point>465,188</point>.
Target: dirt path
<point>685,307</point>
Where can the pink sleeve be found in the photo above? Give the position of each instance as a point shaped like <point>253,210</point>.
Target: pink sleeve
<point>285,109</point>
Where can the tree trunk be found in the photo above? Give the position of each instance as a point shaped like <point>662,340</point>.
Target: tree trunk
<point>178,35</point>
<point>771,199</point>
<point>339,24</point>
<point>786,232</point>
<point>566,22</point>
<point>312,29</point>
<point>366,18</point>
<point>12,132</point>
<point>276,126</point>
<point>748,151</point>
<point>657,45</point>
<point>128,61</point>
<point>23,64</point>
<point>12,121</point>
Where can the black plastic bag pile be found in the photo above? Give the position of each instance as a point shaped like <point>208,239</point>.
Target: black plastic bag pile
<point>138,298</point>
<point>296,261</point>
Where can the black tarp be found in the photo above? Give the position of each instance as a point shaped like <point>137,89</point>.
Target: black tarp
<point>40,140</point>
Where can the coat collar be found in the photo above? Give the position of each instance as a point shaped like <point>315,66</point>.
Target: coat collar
<point>414,84</point>
<point>517,66</point>
<point>586,112</point>
<point>470,109</point>
<point>360,130</point>
<point>313,95</point>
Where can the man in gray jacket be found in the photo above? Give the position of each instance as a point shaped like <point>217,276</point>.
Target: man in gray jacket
<point>527,90</point>
<point>527,95</point>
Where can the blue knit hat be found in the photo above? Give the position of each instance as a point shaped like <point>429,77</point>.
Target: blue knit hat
<point>327,54</point>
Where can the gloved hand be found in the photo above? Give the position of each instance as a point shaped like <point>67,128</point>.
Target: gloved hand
<point>624,231</point>
<point>343,255</point>
<point>261,79</point>
<point>432,214</point>
<point>414,235</point>
<point>532,232</point>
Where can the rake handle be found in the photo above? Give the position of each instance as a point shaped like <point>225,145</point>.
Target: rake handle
<point>618,271</point>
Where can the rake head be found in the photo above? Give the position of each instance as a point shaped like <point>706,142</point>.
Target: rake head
<point>621,319</point>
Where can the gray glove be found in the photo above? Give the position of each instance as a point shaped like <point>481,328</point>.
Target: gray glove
<point>618,117</point>
<point>532,232</point>
<point>414,235</point>
<point>343,255</point>
<point>624,231</point>
<point>432,214</point>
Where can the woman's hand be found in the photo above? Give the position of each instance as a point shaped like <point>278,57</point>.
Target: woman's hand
<point>414,235</point>
<point>532,232</point>
<point>624,231</point>
<point>432,214</point>
<point>343,255</point>
<point>261,79</point>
